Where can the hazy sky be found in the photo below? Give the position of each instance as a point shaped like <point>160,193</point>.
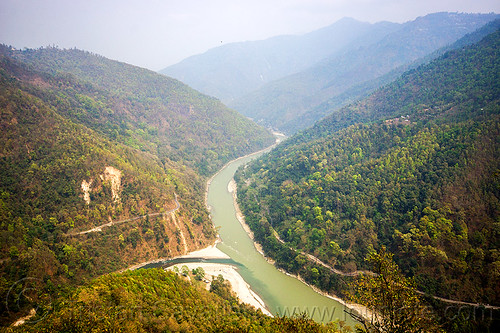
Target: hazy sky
<point>158,33</point>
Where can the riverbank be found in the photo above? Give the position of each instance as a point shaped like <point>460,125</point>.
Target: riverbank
<point>210,252</point>
<point>356,308</point>
<point>279,137</point>
<point>239,286</point>
<point>233,189</point>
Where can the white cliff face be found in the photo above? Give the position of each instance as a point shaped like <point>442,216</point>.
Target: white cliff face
<point>114,176</point>
<point>111,175</point>
<point>86,191</point>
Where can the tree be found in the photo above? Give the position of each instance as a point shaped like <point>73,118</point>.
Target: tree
<point>199,273</point>
<point>221,287</point>
<point>391,298</point>
<point>184,270</point>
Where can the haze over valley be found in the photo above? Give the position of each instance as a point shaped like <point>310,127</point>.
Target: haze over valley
<point>320,166</point>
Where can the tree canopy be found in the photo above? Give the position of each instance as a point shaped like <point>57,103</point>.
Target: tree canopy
<point>414,167</point>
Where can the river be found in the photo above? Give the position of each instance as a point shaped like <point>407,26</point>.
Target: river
<point>282,294</point>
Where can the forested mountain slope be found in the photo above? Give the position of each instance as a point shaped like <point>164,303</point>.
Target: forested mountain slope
<point>418,173</point>
<point>233,70</point>
<point>334,104</point>
<point>75,155</point>
<point>152,300</point>
<point>345,76</point>
<point>150,111</point>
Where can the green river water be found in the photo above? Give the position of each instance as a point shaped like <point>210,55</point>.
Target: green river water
<point>282,294</point>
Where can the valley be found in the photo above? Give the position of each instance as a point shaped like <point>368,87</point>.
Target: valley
<point>124,192</point>
<point>337,192</point>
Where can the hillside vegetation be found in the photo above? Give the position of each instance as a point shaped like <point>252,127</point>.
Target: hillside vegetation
<point>296,101</point>
<point>417,173</point>
<point>152,300</point>
<point>148,111</point>
<point>78,151</point>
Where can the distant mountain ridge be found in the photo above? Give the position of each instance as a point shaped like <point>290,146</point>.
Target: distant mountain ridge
<point>232,70</point>
<point>333,105</point>
<point>281,103</point>
<point>417,171</point>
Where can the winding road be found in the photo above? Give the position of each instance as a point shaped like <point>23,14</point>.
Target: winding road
<point>319,262</point>
<point>356,273</point>
<point>109,224</point>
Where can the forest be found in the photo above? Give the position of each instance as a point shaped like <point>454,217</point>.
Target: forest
<point>414,167</point>
<point>389,202</point>
<point>152,300</point>
<point>146,110</point>
<point>62,131</point>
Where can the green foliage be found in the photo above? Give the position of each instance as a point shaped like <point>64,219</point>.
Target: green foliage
<point>152,300</point>
<point>67,115</point>
<point>199,273</point>
<point>184,270</point>
<point>146,110</point>
<point>391,299</point>
<point>221,287</point>
<point>422,181</point>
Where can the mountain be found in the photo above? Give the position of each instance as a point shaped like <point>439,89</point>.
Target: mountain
<point>89,142</point>
<point>152,300</point>
<point>233,70</point>
<point>152,112</point>
<point>353,72</point>
<point>333,105</point>
<point>417,172</point>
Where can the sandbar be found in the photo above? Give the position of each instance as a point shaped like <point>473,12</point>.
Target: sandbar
<point>240,287</point>
<point>210,252</point>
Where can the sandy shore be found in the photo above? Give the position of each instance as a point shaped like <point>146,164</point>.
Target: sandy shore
<point>211,252</point>
<point>238,284</point>
<point>229,272</point>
